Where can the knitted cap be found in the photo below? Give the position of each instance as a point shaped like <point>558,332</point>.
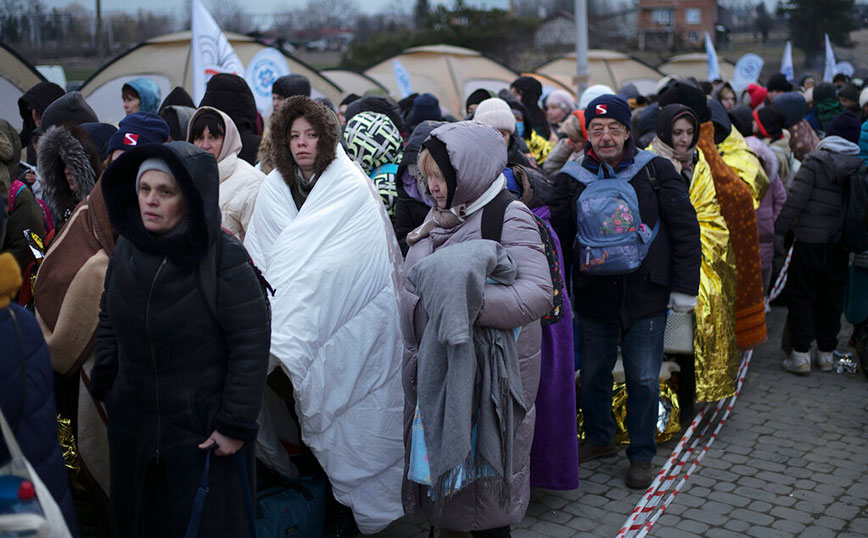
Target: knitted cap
<point>154,163</point>
<point>71,108</point>
<point>770,122</point>
<point>592,93</point>
<point>137,129</point>
<point>608,106</point>
<point>846,126</point>
<point>849,91</point>
<point>496,113</point>
<point>823,91</point>
<point>289,85</point>
<point>778,83</point>
<point>10,278</point>
<point>757,94</point>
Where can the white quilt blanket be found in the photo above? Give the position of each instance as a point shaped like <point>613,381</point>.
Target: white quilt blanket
<point>335,330</point>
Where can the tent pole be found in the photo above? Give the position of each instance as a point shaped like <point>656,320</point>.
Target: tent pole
<point>581,16</point>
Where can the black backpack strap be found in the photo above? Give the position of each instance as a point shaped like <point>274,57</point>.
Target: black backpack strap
<point>651,172</point>
<point>492,215</point>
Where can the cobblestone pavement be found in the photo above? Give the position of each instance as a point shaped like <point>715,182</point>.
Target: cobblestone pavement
<point>791,460</point>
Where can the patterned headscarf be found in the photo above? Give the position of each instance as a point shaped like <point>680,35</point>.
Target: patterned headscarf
<point>372,140</point>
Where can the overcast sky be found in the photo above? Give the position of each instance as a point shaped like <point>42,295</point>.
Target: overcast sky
<point>255,6</point>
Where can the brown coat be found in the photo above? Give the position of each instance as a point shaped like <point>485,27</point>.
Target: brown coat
<point>519,305</point>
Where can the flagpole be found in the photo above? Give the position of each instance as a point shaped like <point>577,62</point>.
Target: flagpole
<point>581,16</point>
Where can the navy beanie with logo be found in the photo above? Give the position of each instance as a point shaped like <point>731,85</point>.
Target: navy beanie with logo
<point>137,129</point>
<point>609,106</point>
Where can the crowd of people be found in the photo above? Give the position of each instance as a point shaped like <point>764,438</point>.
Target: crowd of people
<point>415,306</point>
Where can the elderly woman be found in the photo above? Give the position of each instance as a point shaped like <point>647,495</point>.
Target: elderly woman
<point>178,378</point>
<point>715,350</point>
<point>480,296</point>
<point>321,235</point>
<point>559,106</point>
<point>215,132</point>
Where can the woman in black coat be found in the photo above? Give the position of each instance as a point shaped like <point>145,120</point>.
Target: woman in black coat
<point>177,377</point>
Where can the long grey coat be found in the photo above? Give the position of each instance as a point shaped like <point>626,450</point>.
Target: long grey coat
<point>478,155</point>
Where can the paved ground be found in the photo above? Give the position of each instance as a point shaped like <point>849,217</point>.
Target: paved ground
<point>791,460</point>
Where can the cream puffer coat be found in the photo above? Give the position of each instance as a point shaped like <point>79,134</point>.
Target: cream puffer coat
<point>239,181</point>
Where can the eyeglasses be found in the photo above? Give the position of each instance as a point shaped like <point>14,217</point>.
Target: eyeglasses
<point>614,130</point>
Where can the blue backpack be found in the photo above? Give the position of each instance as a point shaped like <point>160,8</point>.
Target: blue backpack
<point>611,238</point>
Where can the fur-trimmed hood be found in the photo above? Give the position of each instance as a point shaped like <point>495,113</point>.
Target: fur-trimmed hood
<point>66,146</point>
<point>195,170</point>
<point>321,120</point>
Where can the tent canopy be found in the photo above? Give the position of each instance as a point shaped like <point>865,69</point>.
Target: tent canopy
<point>614,69</point>
<point>353,82</point>
<point>166,60</point>
<point>450,73</point>
<point>17,76</point>
<point>695,65</point>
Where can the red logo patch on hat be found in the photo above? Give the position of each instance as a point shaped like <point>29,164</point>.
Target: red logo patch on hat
<point>131,139</point>
<point>601,108</point>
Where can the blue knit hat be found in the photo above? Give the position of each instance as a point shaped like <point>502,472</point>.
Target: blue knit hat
<point>846,126</point>
<point>608,106</point>
<point>137,129</point>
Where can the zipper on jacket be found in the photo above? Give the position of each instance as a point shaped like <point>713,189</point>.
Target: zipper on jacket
<point>153,355</point>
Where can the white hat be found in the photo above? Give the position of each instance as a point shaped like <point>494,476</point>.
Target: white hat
<point>496,113</point>
<point>592,93</point>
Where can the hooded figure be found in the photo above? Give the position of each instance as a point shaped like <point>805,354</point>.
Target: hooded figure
<point>529,90</point>
<point>715,354</point>
<point>322,238</point>
<point>231,94</point>
<point>68,167</point>
<point>471,157</point>
<point>239,181</point>
<point>412,205</point>
<point>826,106</point>
<point>177,97</point>
<point>373,141</point>
<point>36,99</point>
<point>148,93</point>
<point>770,124</point>
<point>169,395</point>
<point>70,108</point>
<point>803,139</point>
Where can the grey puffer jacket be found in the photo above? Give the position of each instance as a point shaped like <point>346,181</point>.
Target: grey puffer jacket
<point>814,201</point>
<point>478,157</point>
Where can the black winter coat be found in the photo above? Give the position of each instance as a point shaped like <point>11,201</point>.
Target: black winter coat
<point>27,401</point>
<point>171,374</point>
<point>672,262</point>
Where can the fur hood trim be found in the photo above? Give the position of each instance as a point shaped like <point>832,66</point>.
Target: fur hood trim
<point>66,146</point>
<point>321,120</point>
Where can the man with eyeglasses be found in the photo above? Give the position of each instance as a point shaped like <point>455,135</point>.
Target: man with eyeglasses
<point>630,309</point>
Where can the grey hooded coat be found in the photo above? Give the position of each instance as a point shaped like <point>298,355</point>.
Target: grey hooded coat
<point>478,154</point>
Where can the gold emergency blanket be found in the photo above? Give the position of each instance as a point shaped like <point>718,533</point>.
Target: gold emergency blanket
<point>668,414</point>
<point>714,344</point>
<point>66,437</point>
<point>738,155</point>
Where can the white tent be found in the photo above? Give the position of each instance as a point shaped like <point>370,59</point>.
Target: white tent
<point>353,82</point>
<point>166,60</point>
<point>450,73</point>
<point>695,65</point>
<point>17,76</point>
<point>614,69</point>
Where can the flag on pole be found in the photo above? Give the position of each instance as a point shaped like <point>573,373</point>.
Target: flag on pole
<point>787,63</point>
<point>402,77</point>
<point>711,54</point>
<point>211,51</point>
<point>829,71</point>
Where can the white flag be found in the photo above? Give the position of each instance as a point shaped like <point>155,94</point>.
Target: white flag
<point>402,77</point>
<point>747,71</point>
<point>267,66</point>
<point>787,63</point>
<point>829,71</point>
<point>711,54</point>
<point>211,51</point>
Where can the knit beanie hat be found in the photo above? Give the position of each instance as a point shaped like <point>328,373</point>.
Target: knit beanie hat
<point>496,113</point>
<point>757,94</point>
<point>849,91</point>
<point>778,83</point>
<point>561,99</point>
<point>10,278</point>
<point>138,129</point>
<point>823,91</point>
<point>794,107</point>
<point>425,107</point>
<point>71,108</point>
<point>154,163</point>
<point>289,85</point>
<point>592,93</point>
<point>477,97</point>
<point>770,122</point>
<point>846,126</point>
<point>608,106</point>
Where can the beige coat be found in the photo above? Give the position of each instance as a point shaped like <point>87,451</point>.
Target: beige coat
<point>239,181</point>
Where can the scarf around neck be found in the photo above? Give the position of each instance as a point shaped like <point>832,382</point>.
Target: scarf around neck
<point>681,160</point>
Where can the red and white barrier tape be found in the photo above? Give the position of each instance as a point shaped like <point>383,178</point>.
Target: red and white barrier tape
<point>663,481</point>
